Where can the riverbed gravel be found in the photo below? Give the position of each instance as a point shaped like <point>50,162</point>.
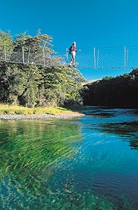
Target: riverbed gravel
<point>39,116</point>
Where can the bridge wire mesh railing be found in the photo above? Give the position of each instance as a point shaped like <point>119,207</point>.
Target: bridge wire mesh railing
<point>107,57</point>
<point>39,57</point>
<point>95,58</point>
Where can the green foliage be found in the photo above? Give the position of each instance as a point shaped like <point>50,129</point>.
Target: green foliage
<point>5,39</point>
<point>33,43</point>
<point>107,78</point>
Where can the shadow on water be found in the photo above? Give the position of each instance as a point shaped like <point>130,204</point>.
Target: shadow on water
<point>128,129</point>
<point>117,121</point>
<point>99,112</point>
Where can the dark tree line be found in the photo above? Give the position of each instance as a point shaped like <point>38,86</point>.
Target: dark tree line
<point>121,91</point>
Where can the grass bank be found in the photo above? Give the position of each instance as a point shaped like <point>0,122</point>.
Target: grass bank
<point>20,110</point>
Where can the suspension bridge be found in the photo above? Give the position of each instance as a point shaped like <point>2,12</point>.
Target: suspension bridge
<point>96,58</point>
<point>108,58</point>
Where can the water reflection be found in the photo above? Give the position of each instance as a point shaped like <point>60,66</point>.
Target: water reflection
<point>78,164</point>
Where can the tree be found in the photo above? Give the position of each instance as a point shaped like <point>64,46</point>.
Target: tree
<point>6,45</point>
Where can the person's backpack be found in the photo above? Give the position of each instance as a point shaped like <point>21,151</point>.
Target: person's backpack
<point>70,49</point>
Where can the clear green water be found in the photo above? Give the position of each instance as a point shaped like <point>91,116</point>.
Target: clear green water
<point>90,163</point>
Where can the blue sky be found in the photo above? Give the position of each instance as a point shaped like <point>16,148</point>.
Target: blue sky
<point>108,23</point>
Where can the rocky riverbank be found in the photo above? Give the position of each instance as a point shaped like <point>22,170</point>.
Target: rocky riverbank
<point>39,116</point>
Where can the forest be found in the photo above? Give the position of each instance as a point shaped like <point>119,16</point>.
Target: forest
<point>120,91</point>
<point>32,74</point>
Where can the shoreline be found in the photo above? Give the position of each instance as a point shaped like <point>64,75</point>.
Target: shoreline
<point>39,116</point>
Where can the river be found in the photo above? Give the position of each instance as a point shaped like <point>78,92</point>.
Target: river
<point>86,163</point>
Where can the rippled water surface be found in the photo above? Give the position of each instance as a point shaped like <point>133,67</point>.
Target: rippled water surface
<point>88,163</point>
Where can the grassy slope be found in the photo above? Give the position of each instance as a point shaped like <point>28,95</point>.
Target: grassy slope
<point>7,109</point>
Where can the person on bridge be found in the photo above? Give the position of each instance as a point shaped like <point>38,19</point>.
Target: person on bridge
<point>72,51</point>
